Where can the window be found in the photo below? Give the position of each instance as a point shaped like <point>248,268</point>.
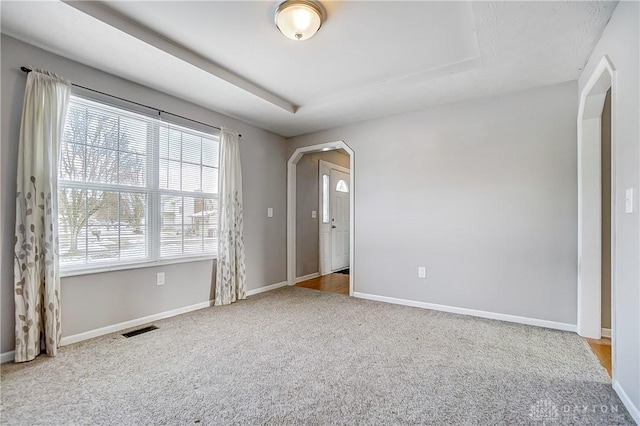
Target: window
<point>325,198</point>
<point>342,186</point>
<point>133,189</point>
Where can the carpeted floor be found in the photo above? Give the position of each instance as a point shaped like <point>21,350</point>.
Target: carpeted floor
<point>296,356</point>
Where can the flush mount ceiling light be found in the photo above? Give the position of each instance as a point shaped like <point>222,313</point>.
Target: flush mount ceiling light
<point>299,19</point>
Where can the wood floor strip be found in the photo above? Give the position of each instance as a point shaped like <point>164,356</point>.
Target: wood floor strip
<point>602,349</point>
<point>331,283</point>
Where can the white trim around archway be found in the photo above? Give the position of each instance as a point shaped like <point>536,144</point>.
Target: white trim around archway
<point>590,201</point>
<point>291,207</point>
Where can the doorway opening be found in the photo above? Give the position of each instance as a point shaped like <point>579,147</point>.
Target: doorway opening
<point>602,347</point>
<point>334,221</point>
<point>596,213</point>
<point>320,218</point>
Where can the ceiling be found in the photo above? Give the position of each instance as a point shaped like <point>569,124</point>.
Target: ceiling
<point>370,58</point>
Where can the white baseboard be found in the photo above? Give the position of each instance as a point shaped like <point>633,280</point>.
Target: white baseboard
<point>633,410</point>
<point>605,332</point>
<point>7,357</point>
<point>266,288</point>
<point>68,340</point>
<point>155,317</point>
<point>307,277</point>
<point>471,312</point>
<point>131,323</point>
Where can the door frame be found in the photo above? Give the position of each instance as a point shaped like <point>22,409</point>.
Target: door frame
<point>320,245</point>
<point>291,207</point>
<point>592,101</point>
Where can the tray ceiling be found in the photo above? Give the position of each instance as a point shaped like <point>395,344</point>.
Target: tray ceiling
<point>370,59</point>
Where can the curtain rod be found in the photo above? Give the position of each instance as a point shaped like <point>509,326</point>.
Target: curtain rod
<point>28,70</point>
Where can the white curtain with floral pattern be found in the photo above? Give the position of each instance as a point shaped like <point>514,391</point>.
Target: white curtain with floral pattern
<point>36,275</point>
<point>230,270</point>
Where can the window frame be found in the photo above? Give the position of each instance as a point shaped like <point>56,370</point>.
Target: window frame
<point>152,190</point>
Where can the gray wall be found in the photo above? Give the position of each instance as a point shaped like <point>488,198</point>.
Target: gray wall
<point>307,200</point>
<point>482,193</point>
<point>605,149</point>
<point>621,43</point>
<point>99,300</point>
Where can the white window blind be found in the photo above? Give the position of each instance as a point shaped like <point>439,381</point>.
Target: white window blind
<point>132,188</point>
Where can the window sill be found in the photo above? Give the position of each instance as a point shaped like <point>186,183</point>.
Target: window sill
<point>137,265</point>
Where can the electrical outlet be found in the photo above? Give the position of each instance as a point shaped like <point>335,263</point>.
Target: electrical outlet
<point>160,278</point>
<point>422,272</point>
<point>270,212</point>
<point>313,214</point>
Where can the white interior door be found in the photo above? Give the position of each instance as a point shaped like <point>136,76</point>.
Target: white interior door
<point>339,205</point>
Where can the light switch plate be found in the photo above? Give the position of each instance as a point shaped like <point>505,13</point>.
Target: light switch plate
<point>313,214</point>
<point>270,212</point>
<point>160,278</point>
<point>628,200</point>
<point>422,272</point>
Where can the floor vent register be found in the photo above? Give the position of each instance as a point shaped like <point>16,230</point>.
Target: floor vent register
<point>140,331</point>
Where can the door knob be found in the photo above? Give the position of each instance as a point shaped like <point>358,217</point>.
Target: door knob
<point>333,226</point>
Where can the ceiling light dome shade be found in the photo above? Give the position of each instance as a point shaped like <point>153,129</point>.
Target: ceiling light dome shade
<point>299,19</point>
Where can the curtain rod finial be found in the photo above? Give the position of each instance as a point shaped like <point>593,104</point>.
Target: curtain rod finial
<point>25,69</point>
